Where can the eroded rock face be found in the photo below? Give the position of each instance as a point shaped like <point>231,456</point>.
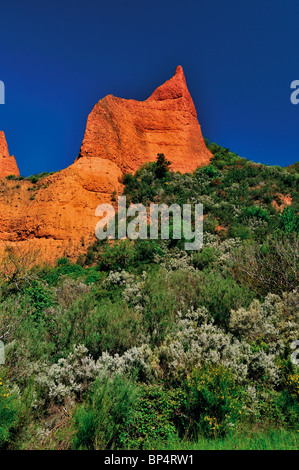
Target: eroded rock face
<point>130,133</point>
<point>56,216</point>
<point>8,164</point>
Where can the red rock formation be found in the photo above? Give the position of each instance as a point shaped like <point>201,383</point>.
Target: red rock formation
<point>8,164</point>
<point>57,215</point>
<point>130,133</point>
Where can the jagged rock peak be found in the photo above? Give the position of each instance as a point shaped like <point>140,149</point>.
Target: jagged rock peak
<point>174,88</point>
<point>3,145</point>
<point>8,164</point>
<point>131,133</point>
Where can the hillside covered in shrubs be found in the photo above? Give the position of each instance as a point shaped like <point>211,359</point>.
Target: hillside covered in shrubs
<point>143,345</point>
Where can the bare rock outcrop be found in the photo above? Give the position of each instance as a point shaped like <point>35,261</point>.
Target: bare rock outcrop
<point>56,216</point>
<point>8,164</point>
<point>130,133</point>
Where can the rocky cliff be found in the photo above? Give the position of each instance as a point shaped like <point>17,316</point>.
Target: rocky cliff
<point>130,133</point>
<point>57,215</point>
<point>8,164</point>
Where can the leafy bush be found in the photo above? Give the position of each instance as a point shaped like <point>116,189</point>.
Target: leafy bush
<point>213,401</point>
<point>115,328</point>
<point>53,275</point>
<point>289,221</point>
<point>39,299</point>
<point>157,417</point>
<point>222,294</point>
<point>17,267</point>
<point>287,408</point>
<point>9,413</point>
<point>204,258</point>
<point>119,255</point>
<point>159,305</point>
<point>99,423</point>
<point>256,211</point>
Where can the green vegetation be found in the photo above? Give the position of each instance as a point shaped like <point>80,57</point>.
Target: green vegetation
<point>32,178</point>
<point>143,345</point>
<point>9,414</point>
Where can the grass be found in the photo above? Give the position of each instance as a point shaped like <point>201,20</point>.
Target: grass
<point>273,439</point>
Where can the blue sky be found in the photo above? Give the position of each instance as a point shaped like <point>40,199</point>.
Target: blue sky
<point>58,58</point>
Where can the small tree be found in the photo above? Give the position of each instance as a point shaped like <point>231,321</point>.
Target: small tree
<point>162,166</point>
<point>16,265</point>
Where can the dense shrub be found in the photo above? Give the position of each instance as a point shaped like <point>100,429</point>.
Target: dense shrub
<point>39,299</point>
<point>158,417</point>
<point>9,412</point>
<point>222,294</point>
<point>289,221</point>
<point>100,422</point>
<point>213,401</point>
<point>270,267</point>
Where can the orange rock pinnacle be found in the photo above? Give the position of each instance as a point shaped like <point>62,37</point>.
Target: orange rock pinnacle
<point>8,164</point>
<point>130,133</point>
<point>57,215</point>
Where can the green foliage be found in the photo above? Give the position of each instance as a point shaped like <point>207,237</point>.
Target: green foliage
<point>213,401</point>
<point>39,299</point>
<point>289,221</point>
<point>113,327</point>
<point>288,409</point>
<point>161,166</point>
<point>256,211</point>
<point>32,178</point>
<point>52,275</point>
<point>204,258</point>
<point>222,294</point>
<point>109,406</point>
<point>9,412</point>
<point>157,417</point>
<point>290,374</point>
<point>142,345</point>
<point>119,255</point>
<point>210,171</point>
<point>239,231</point>
<point>158,307</point>
<point>11,177</point>
<point>124,254</point>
